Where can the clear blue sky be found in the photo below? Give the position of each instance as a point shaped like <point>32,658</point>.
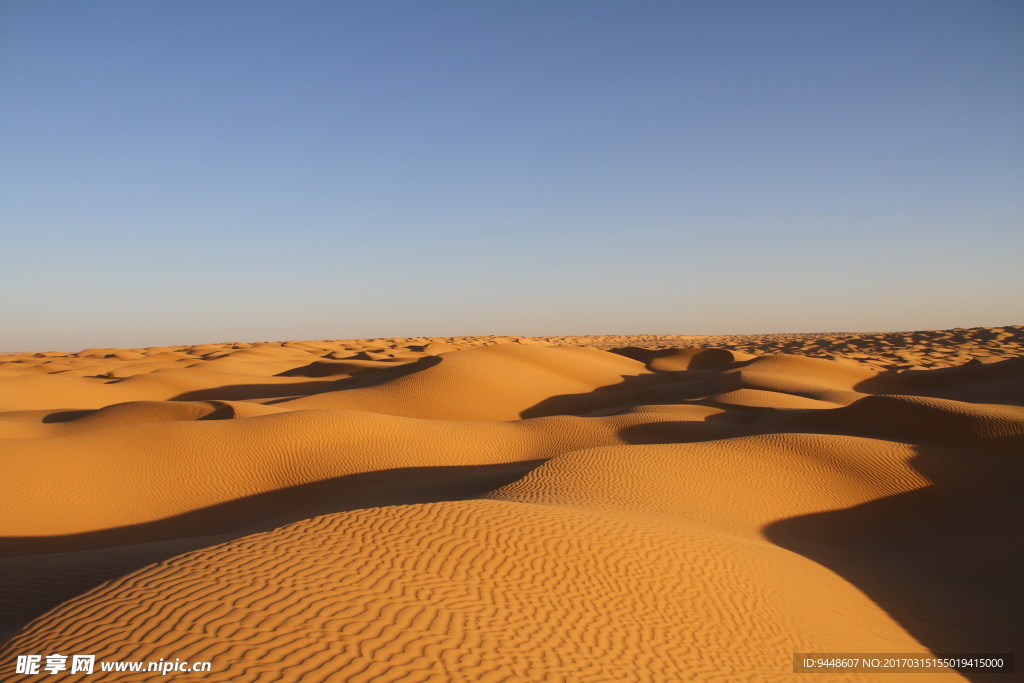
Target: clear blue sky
<point>194,171</point>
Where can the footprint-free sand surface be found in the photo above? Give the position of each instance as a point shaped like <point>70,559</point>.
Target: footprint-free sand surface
<point>606,508</point>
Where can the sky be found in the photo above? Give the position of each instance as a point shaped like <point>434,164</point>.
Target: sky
<point>193,171</point>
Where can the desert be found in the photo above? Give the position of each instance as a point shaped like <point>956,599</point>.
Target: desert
<point>593,508</point>
<point>546,341</point>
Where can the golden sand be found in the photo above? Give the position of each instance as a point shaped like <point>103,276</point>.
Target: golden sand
<point>609,508</point>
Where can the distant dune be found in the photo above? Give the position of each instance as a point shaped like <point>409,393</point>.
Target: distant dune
<point>602,508</point>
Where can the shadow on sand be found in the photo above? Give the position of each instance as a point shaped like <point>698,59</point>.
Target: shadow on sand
<point>944,561</point>
<point>41,572</point>
<point>289,391</point>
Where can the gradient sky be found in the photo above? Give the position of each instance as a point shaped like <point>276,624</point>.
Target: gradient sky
<point>195,171</point>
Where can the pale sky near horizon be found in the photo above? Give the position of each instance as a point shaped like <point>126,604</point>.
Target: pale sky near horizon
<point>188,172</point>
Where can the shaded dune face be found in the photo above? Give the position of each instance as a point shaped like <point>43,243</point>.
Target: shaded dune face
<point>475,509</point>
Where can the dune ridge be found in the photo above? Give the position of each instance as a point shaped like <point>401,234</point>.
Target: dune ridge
<point>593,508</point>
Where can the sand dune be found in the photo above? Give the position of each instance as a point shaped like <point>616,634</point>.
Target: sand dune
<point>612,508</point>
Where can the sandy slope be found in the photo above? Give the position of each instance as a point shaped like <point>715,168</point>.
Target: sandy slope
<point>474,509</point>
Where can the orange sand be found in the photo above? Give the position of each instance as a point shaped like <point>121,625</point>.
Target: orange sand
<point>613,508</point>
